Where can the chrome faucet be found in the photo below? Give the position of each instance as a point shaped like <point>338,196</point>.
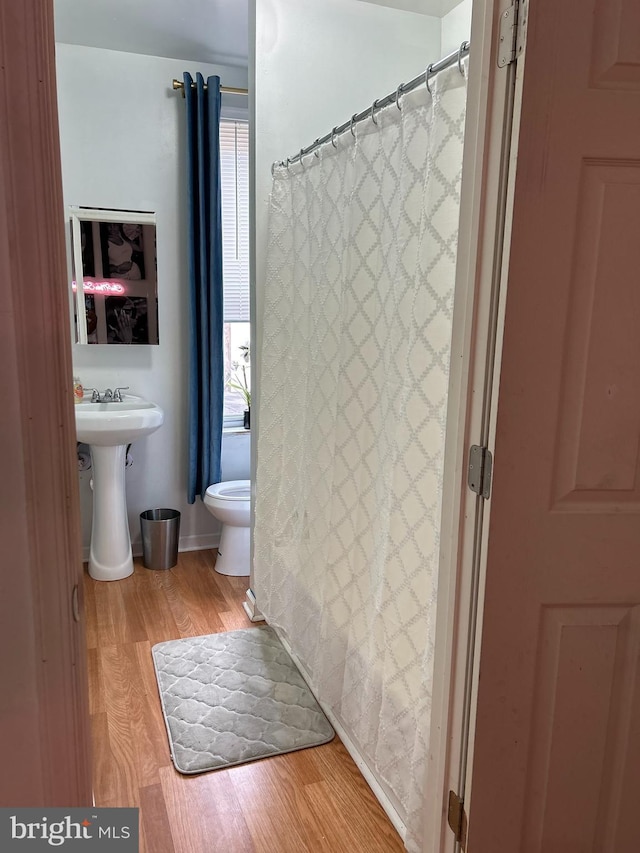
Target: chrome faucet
<point>108,396</point>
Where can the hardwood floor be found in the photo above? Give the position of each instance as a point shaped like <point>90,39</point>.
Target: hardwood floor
<point>312,800</point>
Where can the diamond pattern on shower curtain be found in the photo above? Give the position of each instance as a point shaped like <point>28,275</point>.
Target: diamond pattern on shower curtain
<point>353,389</point>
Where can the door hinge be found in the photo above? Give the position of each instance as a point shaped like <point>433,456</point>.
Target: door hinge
<point>513,31</point>
<point>457,818</point>
<point>480,470</point>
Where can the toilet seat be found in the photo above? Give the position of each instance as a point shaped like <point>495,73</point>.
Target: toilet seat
<point>232,490</point>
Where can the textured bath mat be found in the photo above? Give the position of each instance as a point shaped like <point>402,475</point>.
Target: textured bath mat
<point>234,697</point>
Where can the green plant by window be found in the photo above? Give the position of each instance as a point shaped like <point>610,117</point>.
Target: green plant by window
<point>238,381</point>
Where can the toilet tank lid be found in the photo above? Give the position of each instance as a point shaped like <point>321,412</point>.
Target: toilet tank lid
<point>233,490</point>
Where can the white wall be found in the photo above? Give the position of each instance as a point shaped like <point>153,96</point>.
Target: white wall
<point>456,27</point>
<point>122,134</point>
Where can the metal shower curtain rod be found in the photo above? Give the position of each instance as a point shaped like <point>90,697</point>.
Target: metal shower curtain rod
<point>226,90</point>
<point>456,57</point>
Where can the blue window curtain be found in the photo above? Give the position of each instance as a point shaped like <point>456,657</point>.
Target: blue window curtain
<point>206,376</point>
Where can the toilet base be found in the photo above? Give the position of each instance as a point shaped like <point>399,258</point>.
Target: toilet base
<point>234,551</point>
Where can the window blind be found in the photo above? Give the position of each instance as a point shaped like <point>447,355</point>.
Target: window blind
<point>234,171</point>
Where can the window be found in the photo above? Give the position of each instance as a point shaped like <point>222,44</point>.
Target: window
<point>234,169</point>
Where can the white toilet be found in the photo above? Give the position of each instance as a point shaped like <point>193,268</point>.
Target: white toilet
<point>230,503</point>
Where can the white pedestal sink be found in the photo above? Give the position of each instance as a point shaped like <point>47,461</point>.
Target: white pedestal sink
<point>108,428</point>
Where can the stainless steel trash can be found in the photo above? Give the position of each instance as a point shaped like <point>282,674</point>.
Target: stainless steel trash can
<point>160,533</point>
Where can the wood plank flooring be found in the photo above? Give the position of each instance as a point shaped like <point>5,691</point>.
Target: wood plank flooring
<point>312,800</point>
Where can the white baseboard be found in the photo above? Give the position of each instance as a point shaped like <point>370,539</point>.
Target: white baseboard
<point>352,749</point>
<point>195,542</point>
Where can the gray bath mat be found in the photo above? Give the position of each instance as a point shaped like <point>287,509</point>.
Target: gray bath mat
<point>234,697</point>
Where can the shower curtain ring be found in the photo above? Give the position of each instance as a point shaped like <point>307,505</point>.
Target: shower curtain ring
<point>301,150</point>
<point>426,77</point>
<point>398,93</point>
<point>287,164</point>
<point>317,145</point>
<point>373,115</point>
<point>463,46</point>
<point>333,133</point>
<point>352,124</point>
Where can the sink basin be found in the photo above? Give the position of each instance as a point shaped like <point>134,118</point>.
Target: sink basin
<point>108,428</point>
<point>110,424</point>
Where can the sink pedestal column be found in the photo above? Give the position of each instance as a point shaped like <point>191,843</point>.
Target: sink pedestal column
<point>110,557</point>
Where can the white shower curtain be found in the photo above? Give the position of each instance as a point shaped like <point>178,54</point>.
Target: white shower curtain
<point>353,397</point>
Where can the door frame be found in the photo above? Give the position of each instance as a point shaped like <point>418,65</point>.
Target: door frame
<point>493,100</point>
<point>44,714</point>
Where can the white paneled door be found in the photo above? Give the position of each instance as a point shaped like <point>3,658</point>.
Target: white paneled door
<point>556,761</point>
